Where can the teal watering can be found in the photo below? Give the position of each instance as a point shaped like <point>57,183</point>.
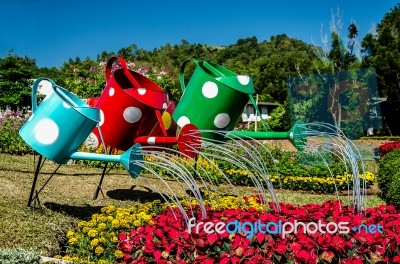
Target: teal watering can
<point>60,125</point>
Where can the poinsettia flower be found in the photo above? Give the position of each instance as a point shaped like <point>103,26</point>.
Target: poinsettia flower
<point>169,236</point>
<point>295,247</point>
<point>303,256</point>
<point>396,259</point>
<point>280,249</point>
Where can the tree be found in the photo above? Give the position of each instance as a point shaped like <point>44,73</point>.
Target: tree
<point>337,93</point>
<point>16,74</point>
<point>84,78</point>
<point>382,51</point>
<point>280,118</point>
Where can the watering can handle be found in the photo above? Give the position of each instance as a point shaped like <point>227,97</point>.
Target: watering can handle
<point>207,65</point>
<point>123,66</point>
<point>212,69</point>
<point>35,88</point>
<point>182,73</point>
<point>110,63</point>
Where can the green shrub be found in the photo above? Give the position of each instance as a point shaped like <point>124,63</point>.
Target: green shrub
<point>10,140</point>
<point>388,167</point>
<point>18,256</point>
<point>393,194</point>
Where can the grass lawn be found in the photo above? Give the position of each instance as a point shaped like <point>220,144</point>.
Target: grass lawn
<point>68,198</point>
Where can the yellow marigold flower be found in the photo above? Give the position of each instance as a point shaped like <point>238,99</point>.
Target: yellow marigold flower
<point>82,224</point>
<point>70,234</point>
<point>137,223</point>
<point>115,223</point>
<point>124,223</point>
<point>114,239</point>
<point>99,250</point>
<point>102,226</point>
<point>72,240</point>
<point>85,229</point>
<point>92,233</point>
<point>94,242</point>
<point>109,209</point>
<point>101,219</point>
<point>91,223</point>
<point>118,254</point>
<point>74,259</point>
<point>102,240</point>
<point>66,258</point>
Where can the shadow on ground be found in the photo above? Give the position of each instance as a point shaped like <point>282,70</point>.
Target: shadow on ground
<point>84,212</point>
<point>131,194</point>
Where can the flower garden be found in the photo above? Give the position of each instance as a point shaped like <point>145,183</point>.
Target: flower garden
<point>156,232</point>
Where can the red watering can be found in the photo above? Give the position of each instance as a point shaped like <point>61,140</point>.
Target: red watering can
<point>129,106</point>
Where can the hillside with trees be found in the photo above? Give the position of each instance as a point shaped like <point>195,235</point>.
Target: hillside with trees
<point>271,63</point>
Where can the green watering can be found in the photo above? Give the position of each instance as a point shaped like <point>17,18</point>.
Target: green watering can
<point>213,99</point>
<point>61,123</point>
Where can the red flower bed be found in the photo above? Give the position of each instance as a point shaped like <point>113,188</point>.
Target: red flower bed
<point>388,146</point>
<point>168,240</point>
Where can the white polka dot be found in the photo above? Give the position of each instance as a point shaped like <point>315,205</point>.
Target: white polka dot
<point>30,118</point>
<point>151,140</point>
<point>221,120</point>
<point>141,91</point>
<point>45,87</point>
<point>132,114</point>
<point>91,141</point>
<point>46,131</point>
<point>243,79</point>
<point>101,118</point>
<point>111,92</point>
<point>164,106</point>
<point>66,105</point>
<point>182,121</point>
<point>210,89</point>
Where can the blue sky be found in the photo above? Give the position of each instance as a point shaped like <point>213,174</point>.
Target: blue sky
<point>54,31</point>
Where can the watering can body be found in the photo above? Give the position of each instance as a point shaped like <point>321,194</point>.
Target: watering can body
<point>213,98</point>
<point>59,125</point>
<point>127,106</point>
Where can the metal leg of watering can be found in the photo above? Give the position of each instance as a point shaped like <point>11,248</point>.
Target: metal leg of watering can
<point>34,195</point>
<point>37,170</point>
<point>98,189</point>
<point>35,198</point>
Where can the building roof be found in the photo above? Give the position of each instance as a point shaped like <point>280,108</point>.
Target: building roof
<point>265,103</point>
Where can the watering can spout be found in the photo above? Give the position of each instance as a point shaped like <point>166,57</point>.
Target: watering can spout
<point>296,135</point>
<point>129,159</point>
